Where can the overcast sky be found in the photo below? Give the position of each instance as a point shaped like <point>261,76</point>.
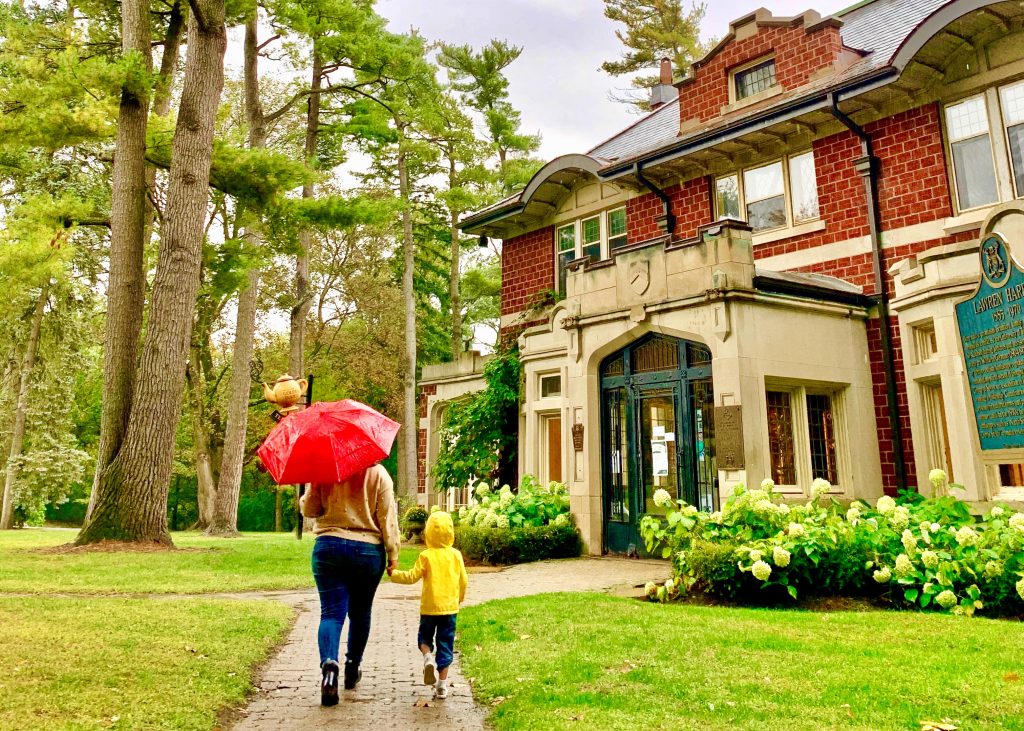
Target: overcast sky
<point>557,83</point>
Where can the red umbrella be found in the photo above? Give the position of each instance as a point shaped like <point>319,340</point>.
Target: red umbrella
<point>328,442</point>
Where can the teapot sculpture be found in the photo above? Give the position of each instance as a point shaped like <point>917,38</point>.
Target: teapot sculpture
<point>285,393</point>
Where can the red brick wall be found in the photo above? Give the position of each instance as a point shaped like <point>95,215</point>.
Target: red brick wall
<point>798,54</point>
<point>691,205</point>
<point>421,440</point>
<point>527,267</point>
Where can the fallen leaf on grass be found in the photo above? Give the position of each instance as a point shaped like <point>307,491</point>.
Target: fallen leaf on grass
<point>422,703</point>
<point>524,637</point>
<point>944,725</point>
<point>498,700</point>
<point>1011,677</point>
<point>577,717</point>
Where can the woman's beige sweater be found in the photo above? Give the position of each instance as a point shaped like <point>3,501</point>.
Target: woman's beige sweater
<point>360,512</point>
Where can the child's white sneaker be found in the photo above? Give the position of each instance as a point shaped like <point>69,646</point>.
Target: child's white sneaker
<point>441,689</point>
<point>429,669</point>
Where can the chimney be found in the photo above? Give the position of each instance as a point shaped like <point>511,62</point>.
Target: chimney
<point>664,91</point>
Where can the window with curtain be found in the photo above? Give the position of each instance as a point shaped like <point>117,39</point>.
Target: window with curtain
<point>970,146</point>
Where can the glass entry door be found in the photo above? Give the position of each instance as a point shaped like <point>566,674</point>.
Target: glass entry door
<point>657,434</point>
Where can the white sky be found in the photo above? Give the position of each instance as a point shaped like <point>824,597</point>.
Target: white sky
<point>557,83</point>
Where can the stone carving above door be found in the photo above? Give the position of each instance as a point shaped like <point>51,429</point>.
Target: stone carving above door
<point>639,276</point>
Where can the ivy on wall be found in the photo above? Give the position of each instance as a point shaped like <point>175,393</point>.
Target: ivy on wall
<point>478,435</point>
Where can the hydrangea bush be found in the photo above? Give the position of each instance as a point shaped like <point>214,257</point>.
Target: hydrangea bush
<point>916,552</point>
<point>533,505</point>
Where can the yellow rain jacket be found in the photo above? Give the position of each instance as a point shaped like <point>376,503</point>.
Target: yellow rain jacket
<point>440,566</point>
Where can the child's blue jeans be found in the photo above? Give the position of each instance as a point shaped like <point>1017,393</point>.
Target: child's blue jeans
<point>347,574</point>
<point>443,627</point>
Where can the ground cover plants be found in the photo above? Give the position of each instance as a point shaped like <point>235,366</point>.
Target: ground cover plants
<point>927,553</point>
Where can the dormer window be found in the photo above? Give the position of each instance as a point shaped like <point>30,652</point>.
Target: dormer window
<point>754,79</point>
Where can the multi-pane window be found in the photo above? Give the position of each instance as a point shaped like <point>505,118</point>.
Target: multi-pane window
<point>971,148</point>
<point>595,238</point>
<point>1012,99</point>
<point>802,436</point>
<point>755,79</point>
<point>772,196</point>
<point>550,386</point>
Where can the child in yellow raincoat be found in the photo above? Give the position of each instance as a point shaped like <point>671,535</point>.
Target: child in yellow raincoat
<point>444,588</point>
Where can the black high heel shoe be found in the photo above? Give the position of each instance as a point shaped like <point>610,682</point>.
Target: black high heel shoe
<point>352,675</point>
<point>329,685</point>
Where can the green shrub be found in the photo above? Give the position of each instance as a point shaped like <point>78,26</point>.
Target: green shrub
<point>501,546</point>
<point>921,552</point>
<point>533,504</point>
<point>414,519</point>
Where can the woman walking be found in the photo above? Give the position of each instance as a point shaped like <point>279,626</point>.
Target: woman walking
<point>357,539</point>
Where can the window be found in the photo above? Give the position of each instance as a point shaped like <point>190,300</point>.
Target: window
<point>1012,98</point>
<point>761,193</point>
<point>595,238</point>
<point>936,433</point>
<point>616,229</point>
<point>970,146</point>
<point>926,346</point>
<point>754,79</point>
<point>550,386</point>
<point>566,252</point>
<point>803,431</point>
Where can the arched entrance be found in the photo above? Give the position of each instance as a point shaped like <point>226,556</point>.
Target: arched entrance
<point>657,406</point>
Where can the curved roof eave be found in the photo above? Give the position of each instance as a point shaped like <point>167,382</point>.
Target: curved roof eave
<point>931,26</point>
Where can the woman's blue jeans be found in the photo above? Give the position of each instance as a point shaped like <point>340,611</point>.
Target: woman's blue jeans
<point>347,574</point>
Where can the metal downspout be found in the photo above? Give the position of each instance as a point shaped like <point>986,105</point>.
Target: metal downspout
<point>666,202</point>
<point>867,167</point>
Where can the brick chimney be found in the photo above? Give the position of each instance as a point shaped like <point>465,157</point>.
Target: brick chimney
<point>664,91</point>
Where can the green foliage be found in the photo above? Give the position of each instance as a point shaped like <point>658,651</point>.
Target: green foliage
<point>414,519</point>
<point>478,433</point>
<point>929,553</point>
<point>502,546</point>
<point>533,504</point>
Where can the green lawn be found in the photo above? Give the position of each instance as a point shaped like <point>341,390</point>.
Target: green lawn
<point>78,663</point>
<point>253,562</point>
<point>587,661</point>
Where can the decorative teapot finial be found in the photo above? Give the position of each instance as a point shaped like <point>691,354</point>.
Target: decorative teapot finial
<point>285,393</point>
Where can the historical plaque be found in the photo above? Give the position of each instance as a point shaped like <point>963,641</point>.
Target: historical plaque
<point>577,437</point>
<point>991,325</point>
<point>729,437</point>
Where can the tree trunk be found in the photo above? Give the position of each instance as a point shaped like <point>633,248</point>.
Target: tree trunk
<point>206,486</point>
<point>453,277</point>
<point>131,495</point>
<point>126,284</point>
<point>18,432</point>
<point>278,509</point>
<point>303,301</point>
<point>410,428</point>
<point>225,517</point>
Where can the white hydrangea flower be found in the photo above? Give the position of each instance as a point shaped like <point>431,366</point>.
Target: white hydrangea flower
<point>945,599</point>
<point>993,569</point>
<point>764,506</point>
<point>996,512</point>
<point>780,557</point>
<point>662,499</point>
<point>908,540</point>
<point>783,509</point>
<point>502,521</point>
<point>904,567</point>
<point>761,570</point>
<point>716,517</point>
<point>853,515</point>
<point>900,517</point>
<point>930,559</point>
<point>882,575</point>
<point>662,593</point>
<point>1017,521</point>
<point>669,585</point>
<point>650,588</point>
<point>1019,586</point>
<point>885,505</point>
<point>756,555</point>
<point>935,527</point>
<point>795,530</point>
<point>767,484</point>
<point>562,520</point>
<point>690,510</point>
<point>966,536</point>
<point>819,487</point>
<point>938,478</point>
<point>482,488</point>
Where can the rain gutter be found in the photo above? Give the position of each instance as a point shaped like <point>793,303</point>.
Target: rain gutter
<point>867,166</point>
<point>666,202</point>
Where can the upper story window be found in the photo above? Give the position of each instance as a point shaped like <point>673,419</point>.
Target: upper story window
<point>772,196</point>
<point>985,134</point>
<point>595,237</point>
<point>754,79</point>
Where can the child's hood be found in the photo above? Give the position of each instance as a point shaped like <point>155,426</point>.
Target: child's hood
<point>439,531</point>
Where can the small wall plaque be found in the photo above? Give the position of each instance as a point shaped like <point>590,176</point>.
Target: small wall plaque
<point>577,437</point>
<point>729,437</point>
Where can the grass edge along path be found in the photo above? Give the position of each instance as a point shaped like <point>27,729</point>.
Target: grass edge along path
<point>120,663</point>
<point>33,562</point>
<point>589,661</point>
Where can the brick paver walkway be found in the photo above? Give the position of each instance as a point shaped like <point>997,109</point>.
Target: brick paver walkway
<point>392,669</point>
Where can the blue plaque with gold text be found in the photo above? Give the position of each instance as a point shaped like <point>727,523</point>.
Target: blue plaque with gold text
<point>991,327</point>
